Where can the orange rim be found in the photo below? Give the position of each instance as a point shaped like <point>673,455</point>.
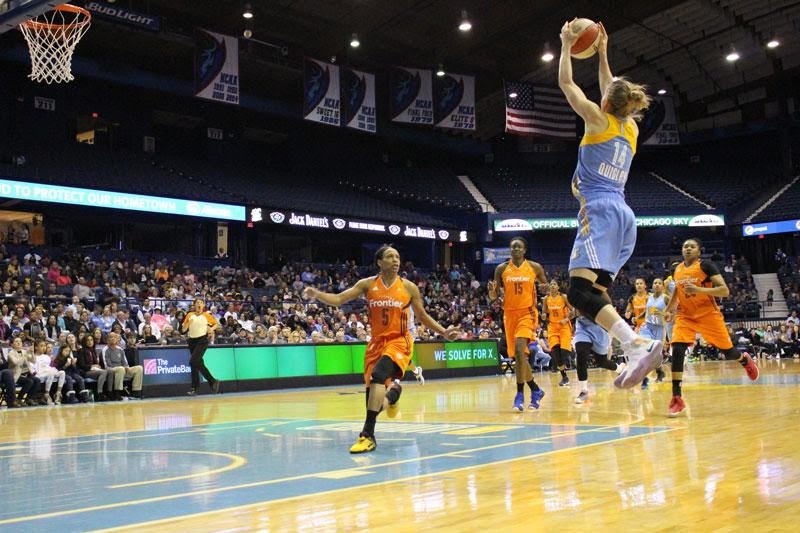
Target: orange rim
<point>50,26</point>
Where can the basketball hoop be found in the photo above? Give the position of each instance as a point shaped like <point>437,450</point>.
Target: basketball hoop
<point>52,38</point>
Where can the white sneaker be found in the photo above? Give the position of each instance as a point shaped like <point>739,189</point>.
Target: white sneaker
<point>582,397</point>
<point>418,375</point>
<point>644,356</point>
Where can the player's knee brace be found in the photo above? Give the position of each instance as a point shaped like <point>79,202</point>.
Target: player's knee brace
<point>584,297</point>
<point>383,370</point>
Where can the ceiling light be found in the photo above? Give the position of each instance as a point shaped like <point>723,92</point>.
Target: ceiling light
<point>248,12</point>
<point>662,91</point>
<point>773,43</point>
<point>733,56</point>
<point>465,24</point>
<point>512,94</point>
<point>547,56</point>
<point>440,70</point>
<point>354,43</point>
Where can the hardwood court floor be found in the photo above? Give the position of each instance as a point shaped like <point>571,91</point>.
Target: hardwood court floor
<point>456,458</point>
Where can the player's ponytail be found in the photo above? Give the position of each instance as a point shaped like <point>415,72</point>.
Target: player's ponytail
<point>628,99</point>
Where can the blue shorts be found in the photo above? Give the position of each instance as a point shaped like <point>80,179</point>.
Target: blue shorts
<point>588,331</point>
<point>652,331</point>
<point>606,235</point>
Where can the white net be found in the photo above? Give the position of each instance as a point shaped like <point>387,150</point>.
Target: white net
<point>51,39</point>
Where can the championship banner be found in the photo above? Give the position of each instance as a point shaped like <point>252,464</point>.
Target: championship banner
<point>216,67</point>
<point>358,100</point>
<point>321,92</point>
<point>659,126</point>
<point>412,96</point>
<point>454,103</point>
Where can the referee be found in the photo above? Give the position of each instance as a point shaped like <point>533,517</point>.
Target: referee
<point>200,325</point>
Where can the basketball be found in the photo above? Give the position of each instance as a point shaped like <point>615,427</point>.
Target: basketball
<point>586,45</point>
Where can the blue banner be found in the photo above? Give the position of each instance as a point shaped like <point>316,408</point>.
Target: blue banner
<point>765,228</point>
<point>412,96</point>
<point>125,16</point>
<point>216,67</point>
<point>39,192</point>
<point>321,92</point>
<point>358,100</point>
<point>455,102</point>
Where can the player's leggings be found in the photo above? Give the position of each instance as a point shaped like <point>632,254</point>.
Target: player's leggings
<point>584,352</point>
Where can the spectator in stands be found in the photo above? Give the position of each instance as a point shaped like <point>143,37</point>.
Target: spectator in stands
<point>114,360</point>
<point>147,336</point>
<point>67,362</point>
<point>8,382</point>
<point>82,290</point>
<point>154,329</point>
<point>19,361</point>
<point>43,369</point>
<point>793,319</point>
<point>769,342</point>
<point>90,365</point>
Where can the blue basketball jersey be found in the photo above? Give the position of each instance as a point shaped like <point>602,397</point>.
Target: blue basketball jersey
<point>604,160</point>
<point>654,312</point>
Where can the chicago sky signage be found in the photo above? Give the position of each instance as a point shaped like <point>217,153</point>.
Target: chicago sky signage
<point>548,224</point>
<point>337,223</point>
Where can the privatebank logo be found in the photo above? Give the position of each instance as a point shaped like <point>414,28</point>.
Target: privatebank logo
<point>277,217</point>
<point>150,366</point>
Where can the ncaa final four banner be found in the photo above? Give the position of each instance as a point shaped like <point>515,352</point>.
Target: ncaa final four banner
<point>216,67</point>
<point>659,126</point>
<point>358,100</point>
<point>454,102</point>
<point>321,92</point>
<point>412,96</point>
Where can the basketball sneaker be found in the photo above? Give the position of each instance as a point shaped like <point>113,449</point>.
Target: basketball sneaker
<point>583,397</point>
<point>418,375</point>
<point>564,382</point>
<point>676,406</point>
<point>749,366</point>
<point>644,356</point>
<point>392,398</point>
<point>645,383</point>
<point>660,375</point>
<point>519,402</point>
<point>364,444</point>
<point>620,368</point>
<point>536,397</point>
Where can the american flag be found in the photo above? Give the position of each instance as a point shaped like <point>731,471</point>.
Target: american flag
<point>538,111</point>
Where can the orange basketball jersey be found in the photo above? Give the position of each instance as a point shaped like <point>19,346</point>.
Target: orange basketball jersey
<point>519,286</point>
<point>693,305</point>
<point>639,304</point>
<point>388,309</point>
<point>556,309</point>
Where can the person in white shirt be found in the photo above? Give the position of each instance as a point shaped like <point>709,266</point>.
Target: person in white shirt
<point>147,322</point>
<point>42,369</point>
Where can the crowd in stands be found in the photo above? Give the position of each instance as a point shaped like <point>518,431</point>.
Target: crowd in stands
<point>90,302</point>
<point>789,275</point>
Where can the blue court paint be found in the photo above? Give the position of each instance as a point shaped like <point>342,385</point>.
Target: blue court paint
<point>69,483</point>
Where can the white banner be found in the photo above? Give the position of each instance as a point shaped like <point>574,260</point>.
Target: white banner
<point>216,67</point>
<point>455,102</point>
<point>659,126</point>
<point>321,92</point>
<point>412,96</point>
<point>358,100</point>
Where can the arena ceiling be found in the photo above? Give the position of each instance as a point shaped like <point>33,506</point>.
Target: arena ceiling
<point>676,46</point>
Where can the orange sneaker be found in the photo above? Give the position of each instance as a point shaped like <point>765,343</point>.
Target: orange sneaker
<point>749,366</point>
<point>676,406</point>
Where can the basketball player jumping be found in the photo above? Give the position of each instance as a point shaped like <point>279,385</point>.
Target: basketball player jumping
<point>697,284</point>
<point>389,351</point>
<point>518,279</point>
<point>606,225</point>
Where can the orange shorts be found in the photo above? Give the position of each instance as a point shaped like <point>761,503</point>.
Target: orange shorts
<point>561,335</point>
<point>399,349</point>
<point>711,326</point>
<point>519,323</point>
